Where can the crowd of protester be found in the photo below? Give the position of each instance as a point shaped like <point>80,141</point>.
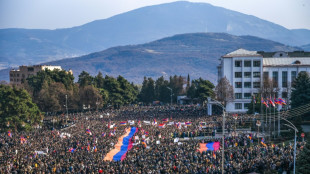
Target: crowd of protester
<point>171,149</point>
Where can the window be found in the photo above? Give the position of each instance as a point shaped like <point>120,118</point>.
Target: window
<point>30,69</point>
<point>238,63</point>
<point>17,75</point>
<point>293,75</point>
<point>284,94</point>
<point>275,78</point>
<point>256,63</point>
<point>247,74</point>
<point>238,85</point>
<point>266,76</point>
<point>284,79</point>
<point>247,84</point>
<point>238,74</point>
<point>238,105</point>
<point>256,84</point>
<point>246,105</point>
<point>247,95</point>
<point>256,74</point>
<point>247,63</point>
<point>238,95</point>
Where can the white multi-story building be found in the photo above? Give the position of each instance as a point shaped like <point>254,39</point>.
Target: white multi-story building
<point>246,70</point>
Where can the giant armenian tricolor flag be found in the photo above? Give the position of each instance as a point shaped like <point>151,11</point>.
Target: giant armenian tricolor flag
<point>213,146</point>
<point>123,145</point>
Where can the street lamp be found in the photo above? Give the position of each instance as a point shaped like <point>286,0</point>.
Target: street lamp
<point>296,130</point>
<point>223,140</point>
<point>67,107</point>
<point>170,95</point>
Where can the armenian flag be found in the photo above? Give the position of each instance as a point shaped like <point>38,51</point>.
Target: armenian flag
<point>23,140</point>
<point>263,142</point>
<point>213,146</point>
<point>71,150</point>
<point>271,102</point>
<point>250,136</point>
<point>282,102</point>
<point>123,145</point>
<point>88,147</point>
<point>276,101</point>
<point>88,132</point>
<point>123,123</point>
<point>165,119</point>
<point>9,134</point>
<point>264,102</point>
<point>95,149</point>
<point>144,143</point>
<point>188,123</point>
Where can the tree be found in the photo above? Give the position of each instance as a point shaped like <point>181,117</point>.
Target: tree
<point>300,90</point>
<point>17,111</point>
<point>147,93</point>
<point>162,93</point>
<point>85,79</point>
<point>99,80</point>
<point>224,91</point>
<point>300,96</point>
<point>201,89</point>
<point>128,91</point>
<point>89,96</point>
<point>112,86</point>
<point>302,162</point>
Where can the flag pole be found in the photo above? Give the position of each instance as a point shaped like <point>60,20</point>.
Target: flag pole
<point>274,120</point>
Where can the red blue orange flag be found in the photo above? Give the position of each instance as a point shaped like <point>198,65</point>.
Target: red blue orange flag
<point>213,146</point>
<point>282,102</point>
<point>88,132</point>
<point>9,134</point>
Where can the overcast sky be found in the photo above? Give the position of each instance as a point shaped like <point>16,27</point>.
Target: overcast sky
<point>52,14</point>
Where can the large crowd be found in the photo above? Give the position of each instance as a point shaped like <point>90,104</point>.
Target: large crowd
<point>173,148</point>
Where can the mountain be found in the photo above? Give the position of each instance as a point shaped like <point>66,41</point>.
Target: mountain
<point>196,54</point>
<point>32,46</point>
<point>305,47</point>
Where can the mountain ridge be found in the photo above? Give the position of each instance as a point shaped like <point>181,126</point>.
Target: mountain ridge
<point>31,46</point>
<point>196,54</point>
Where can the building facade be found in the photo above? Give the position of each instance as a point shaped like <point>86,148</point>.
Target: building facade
<point>247,70</point>
<point>17,76</point>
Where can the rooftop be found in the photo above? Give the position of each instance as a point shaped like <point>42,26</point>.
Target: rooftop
<point>243,53</point>
<point>287,61</point>
<point>289,54</point>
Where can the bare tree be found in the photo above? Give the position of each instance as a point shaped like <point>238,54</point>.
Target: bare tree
<point>224,91</point>
<point>269,88</point>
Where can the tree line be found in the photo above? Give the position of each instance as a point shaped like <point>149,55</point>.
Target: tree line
<point>56,90</point>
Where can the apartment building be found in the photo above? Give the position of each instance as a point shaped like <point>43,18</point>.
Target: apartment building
<point>246,71</point>
<point>18,75</point>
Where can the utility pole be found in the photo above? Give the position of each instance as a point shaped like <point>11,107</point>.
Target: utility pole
<point>67,107</point>
<point>170,95</point>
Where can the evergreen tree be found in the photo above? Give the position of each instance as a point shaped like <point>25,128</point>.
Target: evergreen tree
<point>17,111</point>
<point>147,94</point>
<point>162,93</point>
<point>85,79</point>
<point>300,90</point>
<point>302,162</point>
<point>201,89</point>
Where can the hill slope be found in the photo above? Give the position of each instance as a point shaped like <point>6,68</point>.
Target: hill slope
<point>196,54</point>
<point>27,46</point>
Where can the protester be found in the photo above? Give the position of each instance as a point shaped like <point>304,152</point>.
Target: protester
<point>172,147</point>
